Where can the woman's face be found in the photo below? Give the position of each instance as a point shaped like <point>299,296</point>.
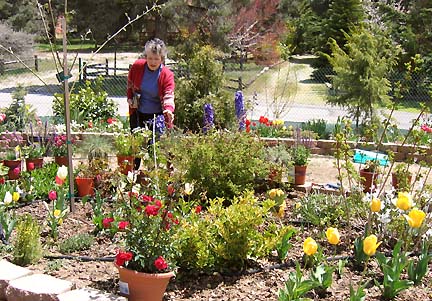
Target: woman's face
<point>153,61</point>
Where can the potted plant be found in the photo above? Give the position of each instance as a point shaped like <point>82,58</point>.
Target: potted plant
<point>59,149</point>
<point>84,179</point>
<point>128,146</point>
<point>300,156</point>
<point>401,177</point>
<point>369,174</point>
<point>34,154</point>
<point>146,262</point>
<point>13,162</point>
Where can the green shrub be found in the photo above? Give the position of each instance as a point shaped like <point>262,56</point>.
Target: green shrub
<point>224,238</point>
<point>79,242</point>
<point>219,164</point>
<point>89,103</point>
<point>201,83</point>
<point>27,245</point>
<point>39,182</point>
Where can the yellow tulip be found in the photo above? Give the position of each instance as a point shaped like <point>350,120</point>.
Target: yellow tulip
<point>273,193</point>
<point>404,201</point>
<point>15,196</point>
<point>415,218</point>
<point>370,244</point>
<point>298,205</point>
<point>281,211</point>
<point>310,246</point>
<point>375,205</point>
<point>57,213</point>
<point>60,221</point>
<point>333,236</point>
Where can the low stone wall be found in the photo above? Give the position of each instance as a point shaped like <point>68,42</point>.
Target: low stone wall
<point>327,147</point>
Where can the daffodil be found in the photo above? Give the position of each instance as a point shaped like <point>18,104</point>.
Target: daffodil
<point>415,218</point>
<point>404,201</point>
<point>375,205</point>
<point>370,244</point>
<point>333,236</point>
<point>15,196</point>
<point>310,246</point>
<point>62,172</point>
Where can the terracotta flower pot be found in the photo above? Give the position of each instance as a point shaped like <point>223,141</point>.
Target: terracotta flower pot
<point>138,286</point>
<point>61,160</point>
<point>33,163</point>
<point>13,165</point>
<point>126,163</point>
<point>300,175</point>
<point>368,179</point>
<point>85,186</point>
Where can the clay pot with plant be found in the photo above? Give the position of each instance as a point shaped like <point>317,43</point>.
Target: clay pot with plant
<point>128,147</point>
<point>369,175</point>
<point>300,157</point>
<point>401,177</point>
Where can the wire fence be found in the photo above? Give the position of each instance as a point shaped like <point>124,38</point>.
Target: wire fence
<point>305,101</point>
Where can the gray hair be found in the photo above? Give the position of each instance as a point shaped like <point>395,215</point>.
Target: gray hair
<point>156,46</point>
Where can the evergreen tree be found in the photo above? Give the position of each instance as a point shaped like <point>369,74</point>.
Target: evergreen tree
<point>361,81</point>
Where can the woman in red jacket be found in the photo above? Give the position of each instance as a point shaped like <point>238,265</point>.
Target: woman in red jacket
<point>152,83</point>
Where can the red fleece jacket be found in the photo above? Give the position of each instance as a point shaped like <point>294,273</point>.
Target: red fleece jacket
<point>166,84</point>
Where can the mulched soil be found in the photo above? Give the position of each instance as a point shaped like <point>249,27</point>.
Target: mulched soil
<point>261,282</point>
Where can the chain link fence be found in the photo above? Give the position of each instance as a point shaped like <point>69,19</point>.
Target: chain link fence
<point>295,96</point>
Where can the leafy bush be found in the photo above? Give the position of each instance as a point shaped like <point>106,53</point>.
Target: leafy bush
<point>27,245</point>
<point>220,164</point>
<point>89,104</point>
<point>79,242</point>
<point>19,42</point>
<point>223,238</point>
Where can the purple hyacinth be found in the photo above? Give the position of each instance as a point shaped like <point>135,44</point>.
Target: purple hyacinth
<point>208,117</point>
<point>240,110</point>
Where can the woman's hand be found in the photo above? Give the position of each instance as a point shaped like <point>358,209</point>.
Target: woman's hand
<point>169,119</point>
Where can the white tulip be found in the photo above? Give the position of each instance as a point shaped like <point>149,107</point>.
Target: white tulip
<point>62,172</point>
<point>8,198</point>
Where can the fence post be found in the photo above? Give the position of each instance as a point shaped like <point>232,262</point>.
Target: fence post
<point>2,68</point>
<point>106,67</point>
<point>85,72</point>
<point>36,63</point>
<point>240,83</point>
<point>79,69</point>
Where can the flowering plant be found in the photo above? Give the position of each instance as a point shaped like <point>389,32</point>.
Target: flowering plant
<point>128,144</point>
<point>59,145</point>
<point>149,227</point>
<point>267,128</point>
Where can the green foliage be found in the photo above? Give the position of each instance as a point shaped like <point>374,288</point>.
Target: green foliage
<point>296,287</point>
<point>322,277</point>
<point>18,113</point>
<point>27,245</point>
<point>360,257</point>
<point>91,101</point>
<point>324,210</point>
<point>54,265</point>
<point>300,155</point>
<point>284,244</point>
<point>128,144</point>
<point>98,212</point>
<point>220,164</point>
<point>7,221</point>
<point>202,84</point>
<point>79,242</point>
<point>39,181</point>
<point>392,269</point>
<point>318,126</point>
<point>224,238</point>
<point>357,295</point>
<point>417,271</point>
